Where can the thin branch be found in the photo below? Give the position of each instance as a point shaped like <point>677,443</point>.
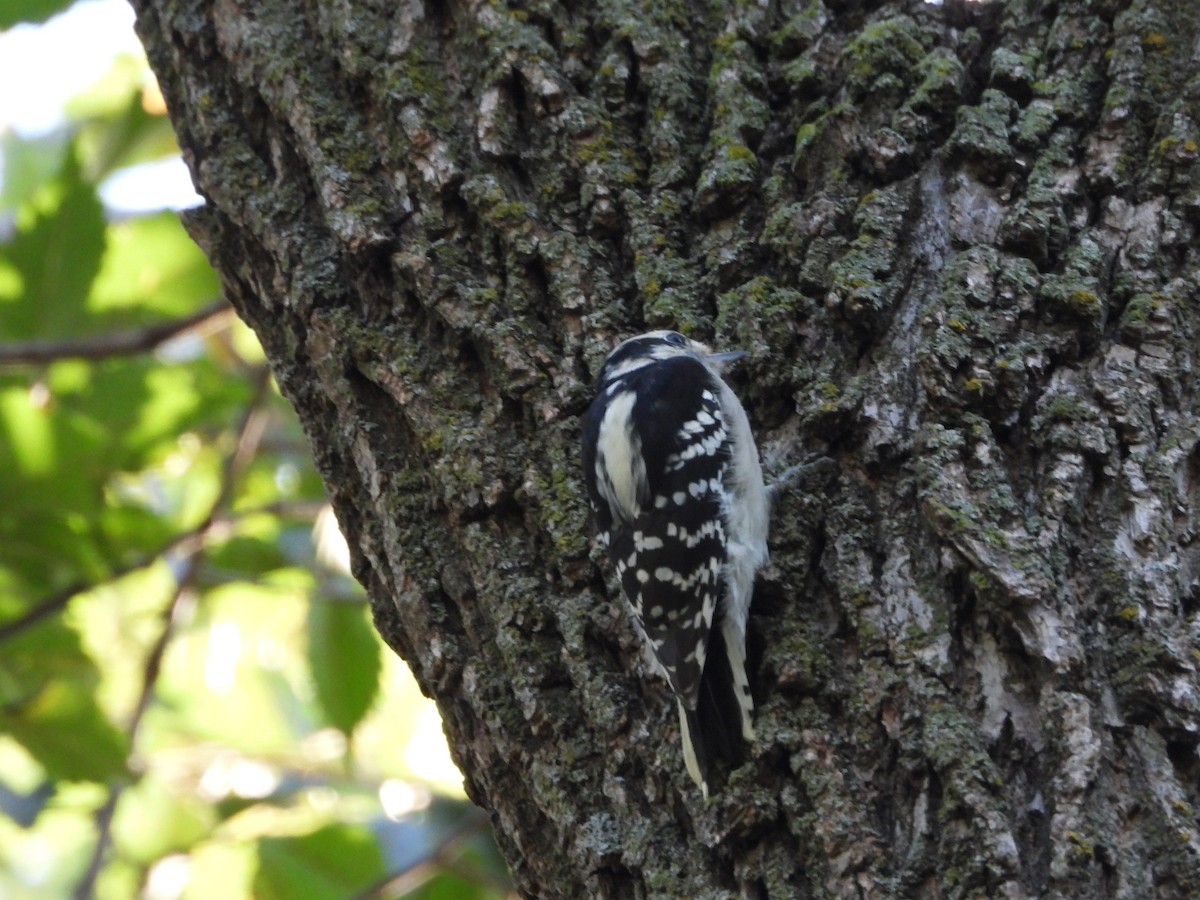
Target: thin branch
<point>303,510</point>
<point>182,598</point>
<point>58,601</point>
<point>442,858</point>
<point>250,431</point>
<point>117,343</point>
<point>249,435</point>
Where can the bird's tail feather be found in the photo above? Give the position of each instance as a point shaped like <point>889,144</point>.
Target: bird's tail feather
<point>720,725</point>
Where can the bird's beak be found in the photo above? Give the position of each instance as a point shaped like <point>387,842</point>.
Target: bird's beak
<point>723,359</point>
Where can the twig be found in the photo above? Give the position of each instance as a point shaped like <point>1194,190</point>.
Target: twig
<point>285,509</point>
<point>405,881</point>
<point>249,434</point>
<point>58,601</point>
<point>117,343</point>
<point>104,815</point>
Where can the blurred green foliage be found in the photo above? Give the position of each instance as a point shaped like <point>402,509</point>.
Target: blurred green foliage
<point>16,11</point>
<point>193,702</point>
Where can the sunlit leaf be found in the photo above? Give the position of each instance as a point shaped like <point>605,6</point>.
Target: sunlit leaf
<point>334,862</point>
<point>118,879</point>
<point>148,405</point>
<point>109,95</point>
<point>77,471</point>
<point>344,655</point>
<point>66,515</point>
<point>13,12</point>
<point>153,820</point>
<point>116,128</point>
<point>118,624</point>
<point>232,677</point>
<point>220,869</point>
<point>38,654</point>
<point>28,164</point>
<point>152,269</point>
<point>64,728</point>
<point>19,771</point>
<point>28,430</point>
<point>404,729</point>
<point>56,253</point>
<point>131,414</point>
<point>246,344</point>
<point>47,682</point>
<point>27,870</point>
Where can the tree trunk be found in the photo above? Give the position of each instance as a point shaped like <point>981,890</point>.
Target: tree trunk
<point>960,244</point>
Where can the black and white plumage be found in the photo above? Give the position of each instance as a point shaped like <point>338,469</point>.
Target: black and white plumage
<point>677,491</point>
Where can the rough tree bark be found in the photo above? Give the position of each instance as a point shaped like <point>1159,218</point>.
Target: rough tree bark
<point>960,243</point>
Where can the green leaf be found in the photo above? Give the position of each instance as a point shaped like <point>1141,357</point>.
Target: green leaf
<point>48,705</point>
<point>29,164</point>
<point>450,886</point>
<point>42,553</point>
<point>155,818</point>
<point>64,729</point>
<point>60,456</point>
<point>28,445</point>
<point>219,690</point>
<point>244,556</point>
<point>333,862</point>
<point>115,129</point>
<point>143,407</point>
<point>70,510</point>
<point>110,94</point>
<point>54,257</point>
<point>152,269</point>
<point>13,12</point>
<point>220,869</point>
<point>37,655</point>
<point>133,531</point>
<point>344,657</point>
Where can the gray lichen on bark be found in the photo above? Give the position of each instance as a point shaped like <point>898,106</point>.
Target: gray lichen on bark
<point>960,243</point>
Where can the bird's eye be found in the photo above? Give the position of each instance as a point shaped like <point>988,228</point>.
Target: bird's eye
<point>674,337</point>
